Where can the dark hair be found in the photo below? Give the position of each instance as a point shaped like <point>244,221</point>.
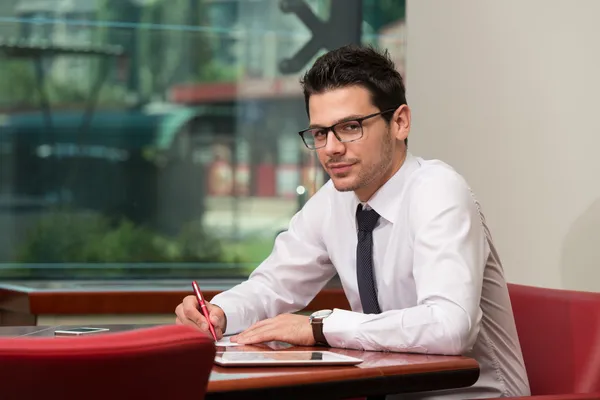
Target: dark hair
<point>357,65</point>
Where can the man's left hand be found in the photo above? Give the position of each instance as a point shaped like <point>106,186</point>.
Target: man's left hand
<point>289,328</point>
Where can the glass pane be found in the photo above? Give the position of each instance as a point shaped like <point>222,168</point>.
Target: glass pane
<point>158,138</point>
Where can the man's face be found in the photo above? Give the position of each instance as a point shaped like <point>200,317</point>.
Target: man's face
<point>362,165</point>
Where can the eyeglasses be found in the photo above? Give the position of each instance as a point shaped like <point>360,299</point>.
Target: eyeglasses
<point>345,131</point>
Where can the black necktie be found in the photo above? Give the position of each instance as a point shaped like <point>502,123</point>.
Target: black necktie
<point>366,220</point>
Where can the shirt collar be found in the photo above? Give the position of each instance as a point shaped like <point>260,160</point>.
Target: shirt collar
<point>383,200</point>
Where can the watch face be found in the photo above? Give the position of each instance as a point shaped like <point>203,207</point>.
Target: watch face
<point>321,314</point>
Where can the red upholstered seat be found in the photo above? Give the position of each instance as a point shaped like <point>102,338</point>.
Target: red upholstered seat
<point>559,331</point>
<point>166,362</point>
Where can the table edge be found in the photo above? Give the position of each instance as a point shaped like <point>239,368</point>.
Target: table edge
<point>331,378</point>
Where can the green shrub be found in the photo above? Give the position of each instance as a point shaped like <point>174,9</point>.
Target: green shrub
<point>69,237</point>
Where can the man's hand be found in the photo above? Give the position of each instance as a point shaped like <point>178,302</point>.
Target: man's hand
<point>188,313</point>
<point>290,328</point>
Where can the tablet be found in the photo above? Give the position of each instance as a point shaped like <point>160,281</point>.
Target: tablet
<point>282,358</point>
<point>79,331</point>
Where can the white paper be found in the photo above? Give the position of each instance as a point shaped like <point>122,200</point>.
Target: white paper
<point>226,341</point>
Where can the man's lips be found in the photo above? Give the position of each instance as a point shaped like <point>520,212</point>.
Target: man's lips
<point>340,167</point>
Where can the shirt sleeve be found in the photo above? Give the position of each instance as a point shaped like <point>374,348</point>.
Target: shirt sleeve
<point>295,271</point>
<point>450,253</point>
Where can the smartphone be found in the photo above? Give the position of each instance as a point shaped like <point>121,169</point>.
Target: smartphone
<point>79,331</point>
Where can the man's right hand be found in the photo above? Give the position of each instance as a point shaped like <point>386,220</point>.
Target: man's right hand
<point>188,313</point>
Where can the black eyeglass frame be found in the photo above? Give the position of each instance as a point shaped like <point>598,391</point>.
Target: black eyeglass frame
<point>337,136</point>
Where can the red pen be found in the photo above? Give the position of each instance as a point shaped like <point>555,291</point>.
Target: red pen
<point>203,308</point>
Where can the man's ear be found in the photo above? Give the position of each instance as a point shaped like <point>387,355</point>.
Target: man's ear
<point>400,123</point>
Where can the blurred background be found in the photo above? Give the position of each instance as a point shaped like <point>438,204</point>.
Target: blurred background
<point>155,139</point>
<point>158,138</point>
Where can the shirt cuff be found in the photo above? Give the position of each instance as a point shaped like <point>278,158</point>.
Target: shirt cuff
<point>233,314</point>
<point>341,328</point>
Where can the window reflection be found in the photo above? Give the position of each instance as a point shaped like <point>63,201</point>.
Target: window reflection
<point>154,138</point>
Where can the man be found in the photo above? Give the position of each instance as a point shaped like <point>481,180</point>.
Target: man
<point>405,236</point>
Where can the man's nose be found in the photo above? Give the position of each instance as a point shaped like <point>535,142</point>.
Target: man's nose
<point>333,145</point>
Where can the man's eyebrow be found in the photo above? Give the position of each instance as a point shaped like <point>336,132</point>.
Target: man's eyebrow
<point>345,119</point>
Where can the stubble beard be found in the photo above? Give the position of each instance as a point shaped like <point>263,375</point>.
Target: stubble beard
<point>372,172</point>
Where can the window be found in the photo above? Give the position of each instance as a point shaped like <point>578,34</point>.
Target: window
<point>154,138</point>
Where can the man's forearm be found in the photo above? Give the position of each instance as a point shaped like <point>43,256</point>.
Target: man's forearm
<point>420,329</point>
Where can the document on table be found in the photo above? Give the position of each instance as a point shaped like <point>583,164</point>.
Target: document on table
<point>226,342</point>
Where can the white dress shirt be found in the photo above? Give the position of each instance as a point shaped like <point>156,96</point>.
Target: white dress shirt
<point>439,280</point>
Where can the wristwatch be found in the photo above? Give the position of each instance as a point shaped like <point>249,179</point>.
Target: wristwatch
<point>316,321</point>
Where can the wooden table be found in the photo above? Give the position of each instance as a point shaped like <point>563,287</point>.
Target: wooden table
<point>379,373</point>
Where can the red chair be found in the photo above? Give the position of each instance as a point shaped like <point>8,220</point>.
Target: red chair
<point>166,362</point>
<point>559,331</point>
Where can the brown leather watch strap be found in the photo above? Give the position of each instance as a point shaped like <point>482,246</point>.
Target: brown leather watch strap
<point>317,328</point>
